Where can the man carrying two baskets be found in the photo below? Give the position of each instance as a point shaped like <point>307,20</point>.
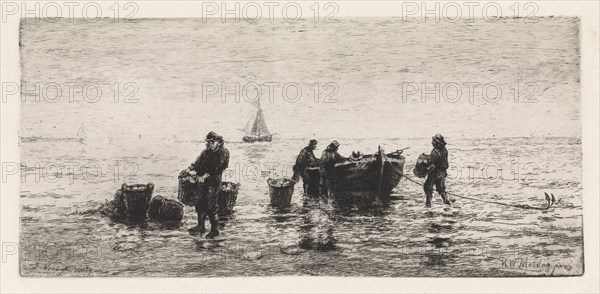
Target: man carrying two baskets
<point>209,167</point>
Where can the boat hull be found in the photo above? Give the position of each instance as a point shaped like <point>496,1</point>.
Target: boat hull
<point>374,174</point>
<point>251,139</point>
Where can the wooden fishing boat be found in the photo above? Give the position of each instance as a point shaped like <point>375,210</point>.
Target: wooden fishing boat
<point>378,172</point>
<point>256,128</point>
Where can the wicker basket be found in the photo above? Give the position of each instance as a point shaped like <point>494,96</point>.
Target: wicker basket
<point>420,169</point>
<point>119,203</point>
<point>163,209</point>
<point>135,199</point>
<point>189,190</point>
<point>281,191</point>
<point>228,197</point>
<point>314,177</point>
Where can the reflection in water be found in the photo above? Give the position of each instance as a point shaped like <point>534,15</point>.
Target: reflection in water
<point>435,259</point>
<point>321,216</point>
<point>317,228</point>
<point>439,241</point>
<point>361,203</point>
<point>255,152</point>
<point>129,223</point>
<point>207,244</point>
<point>283,214</point>
<point>373,242</point>
<point>144,224</point>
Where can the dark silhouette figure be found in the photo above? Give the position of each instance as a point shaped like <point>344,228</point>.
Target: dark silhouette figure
<point>436,171</point>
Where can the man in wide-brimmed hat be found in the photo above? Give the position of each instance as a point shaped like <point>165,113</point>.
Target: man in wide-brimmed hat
<point>305,159</point>
<point>327,163</point>
<point>209,166</point>
<point>436,171</point>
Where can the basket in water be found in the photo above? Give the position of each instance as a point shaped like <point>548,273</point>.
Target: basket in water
<point>119,203</point>
<point>420,169</point>
<point>135,199</point>
<point>280,191</point>
<point>189,190</point>
<point>314,177</point>
<point>163,209</point>
<point>228,197</point>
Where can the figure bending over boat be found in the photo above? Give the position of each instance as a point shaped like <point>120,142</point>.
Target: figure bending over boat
<point>305,160</point>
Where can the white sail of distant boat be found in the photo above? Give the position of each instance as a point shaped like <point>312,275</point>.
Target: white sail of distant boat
<point>256,128</point>
<point>81,132</point>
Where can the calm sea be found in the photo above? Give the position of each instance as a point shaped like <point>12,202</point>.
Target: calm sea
<point>146,93</point>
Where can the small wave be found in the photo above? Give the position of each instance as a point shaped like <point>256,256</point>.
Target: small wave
<point>47,139</point>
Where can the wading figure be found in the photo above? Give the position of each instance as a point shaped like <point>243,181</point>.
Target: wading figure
<point>305,159</point>
<point>209,166</point>
<point>329,158</point>
<point>436,171</point>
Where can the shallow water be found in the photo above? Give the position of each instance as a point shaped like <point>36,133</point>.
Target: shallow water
<point>397,236</point>
<point>503,152</point>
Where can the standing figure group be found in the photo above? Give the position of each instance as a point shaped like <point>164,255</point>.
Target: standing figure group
<point>307,159</point>
<point>436,170</point>
<point>214,159</point>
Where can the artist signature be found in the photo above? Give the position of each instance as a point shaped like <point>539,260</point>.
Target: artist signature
<point>60,269</point>
<point>535,265</point>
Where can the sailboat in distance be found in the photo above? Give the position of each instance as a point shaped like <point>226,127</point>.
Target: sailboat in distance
<point>81,133</point>
<point>256,129</point>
